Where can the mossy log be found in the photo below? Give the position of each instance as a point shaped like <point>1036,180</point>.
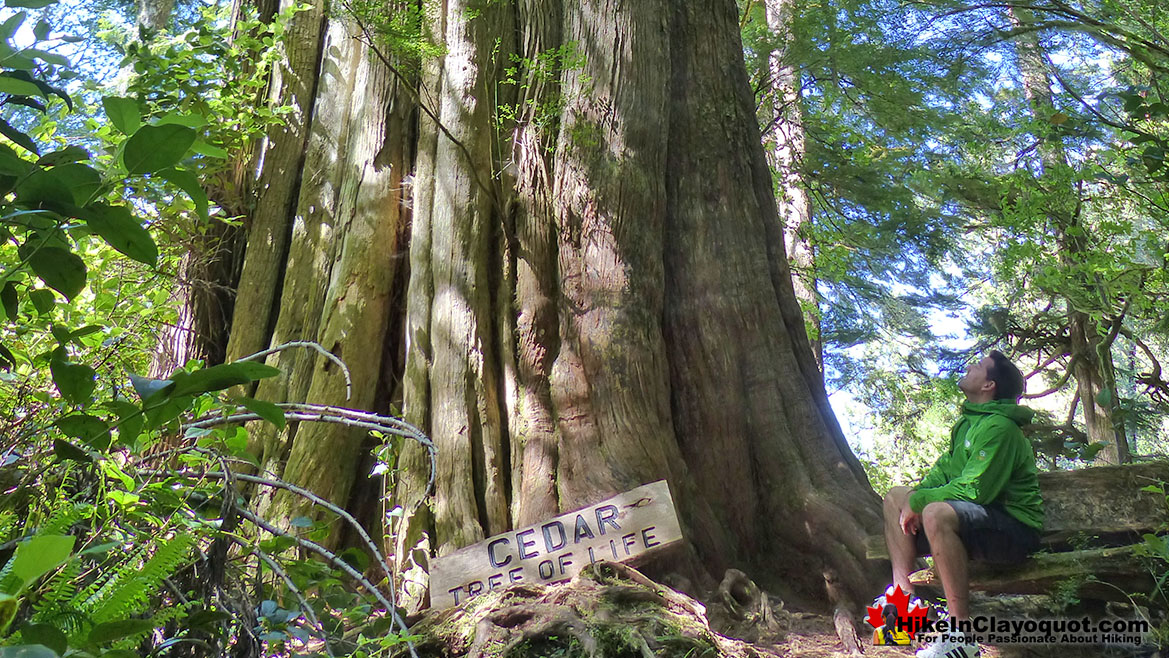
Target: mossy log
<point>1100,573</point>
<point>1098,506</point>
<point>1102,512</point>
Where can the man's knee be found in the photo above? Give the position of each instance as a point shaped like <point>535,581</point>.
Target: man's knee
<point>939,517</point>
<point>895,500</point>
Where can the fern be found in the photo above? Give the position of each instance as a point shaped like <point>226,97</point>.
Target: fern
<point>124,596</point>
<point>100,588</point>
<point>58,593</point>
<point>8,525</point>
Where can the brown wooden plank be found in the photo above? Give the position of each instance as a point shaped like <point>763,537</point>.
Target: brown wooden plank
<point>618,529</point>
<point>1103,501</point>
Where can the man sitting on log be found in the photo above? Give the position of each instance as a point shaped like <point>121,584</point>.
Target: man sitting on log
<point>980,500</point>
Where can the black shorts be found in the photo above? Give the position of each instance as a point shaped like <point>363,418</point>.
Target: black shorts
<point>989,533</point>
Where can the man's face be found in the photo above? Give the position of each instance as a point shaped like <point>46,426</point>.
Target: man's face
<point>975,382</point>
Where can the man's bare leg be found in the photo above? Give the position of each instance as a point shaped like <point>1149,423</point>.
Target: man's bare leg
<point>940,523</point>
<point>902,550</point>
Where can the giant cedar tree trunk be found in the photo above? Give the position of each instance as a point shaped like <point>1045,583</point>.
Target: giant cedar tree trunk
<point>1091,360</point>
<point>598,293</point>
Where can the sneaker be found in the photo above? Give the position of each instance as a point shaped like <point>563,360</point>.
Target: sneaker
<point>949,649</point>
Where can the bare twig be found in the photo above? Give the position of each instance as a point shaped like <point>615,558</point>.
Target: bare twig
<point>279,571</point>
<point>340,415</point>
<point>316,346</point>
<point>336,561</point>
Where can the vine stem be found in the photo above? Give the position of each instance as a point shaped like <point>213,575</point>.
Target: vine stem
<point>311,345</point>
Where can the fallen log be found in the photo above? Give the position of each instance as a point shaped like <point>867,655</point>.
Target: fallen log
<point>1100,573</point>
<point>1103,505</point>
<point>1099,512</point>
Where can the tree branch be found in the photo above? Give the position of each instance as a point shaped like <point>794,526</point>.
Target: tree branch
<point>316,346</point>
<point>310,545</point>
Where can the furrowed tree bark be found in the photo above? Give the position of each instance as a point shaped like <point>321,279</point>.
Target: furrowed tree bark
<point>326,252</point>
<point>655,333</point>
<point>1092,362</point>
<point>598,293</point>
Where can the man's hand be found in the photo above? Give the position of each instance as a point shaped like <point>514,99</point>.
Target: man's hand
<point>910,520</point>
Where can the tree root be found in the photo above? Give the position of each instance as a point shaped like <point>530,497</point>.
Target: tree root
<point>746,612</point>
<point>607,610</point>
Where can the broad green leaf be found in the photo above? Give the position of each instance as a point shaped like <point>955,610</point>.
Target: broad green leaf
<point>65,450</point>
<point>266,410</point>
<point>238,442</point>
<point>130,420</point>
<point>8,606</point>
<point>123,113</point>
<point>45,634</point>
<point>1104,397</point>
<point>82,180</point>
<point>18,61</point>
<point>42,300</point>
<point>152,148</point>
<point>117,225</point>
<point>60,269</point>
<point>160,412</point>
<point>11,85</point>
<point>55,59</point>
<point>63,156</point>
<point>18,137</point>
<point>112,631</point>
<point>42,29</point>
<point>146,387</point>
<point>43,188</point>
<point>9,27</point>
<point>100,549</point>
<point>75,381</point>
<point>89,429</point>
<point>12,164</point>
<point>187,182</point>
<point>179,119</point>
<point>27,651</point>
<point>203,148</point>
<point>30,4</point>
<point>217,378</point>
<point>60,332</point>
<point>9,300</point>
<point>40,555</point>
<point>28,101</point>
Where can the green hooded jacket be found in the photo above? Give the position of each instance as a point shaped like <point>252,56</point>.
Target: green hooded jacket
<point>989,462</point>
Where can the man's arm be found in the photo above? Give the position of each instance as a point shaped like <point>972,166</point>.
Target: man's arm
<point>993,453</point>
<point>936,476</point>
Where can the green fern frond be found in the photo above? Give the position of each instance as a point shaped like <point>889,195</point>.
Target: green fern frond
<point>62,517</point>
<point>8,526</point>
<point>128,595</point>
<point>58,593</point>
<point>122,571</point>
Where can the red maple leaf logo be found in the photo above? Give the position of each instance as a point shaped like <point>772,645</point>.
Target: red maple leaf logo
<point>910,621</point>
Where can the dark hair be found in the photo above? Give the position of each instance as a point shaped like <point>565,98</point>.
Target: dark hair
<point>1008,381</point>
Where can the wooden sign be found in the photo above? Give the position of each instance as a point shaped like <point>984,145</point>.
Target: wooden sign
<point>618,529</point>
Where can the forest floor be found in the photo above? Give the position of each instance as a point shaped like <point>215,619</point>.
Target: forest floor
<point>814,636</point>
<point>614,611</point>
